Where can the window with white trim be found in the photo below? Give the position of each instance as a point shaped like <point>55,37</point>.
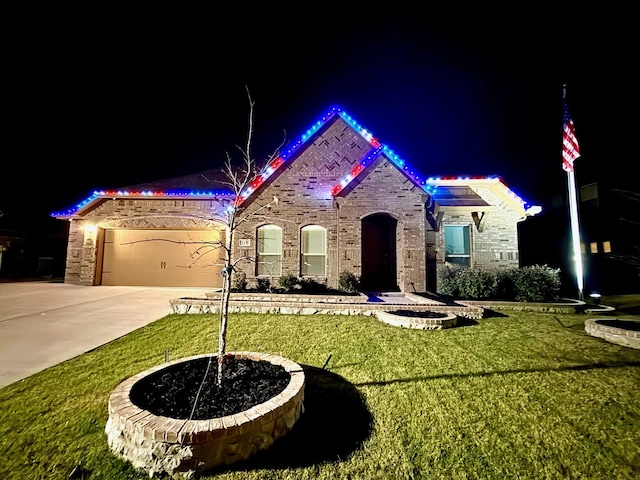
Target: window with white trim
<point>269,250</point>
<point>457,245</point>
<point>313,255</point>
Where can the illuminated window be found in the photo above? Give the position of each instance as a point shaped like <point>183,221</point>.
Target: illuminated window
<point>457,245</point>
<point>269,246</point>
<point>313,251</point>
<point>589,192</point>
<point>594,247</point>
<point>606,246</point>
<point>583,248</point>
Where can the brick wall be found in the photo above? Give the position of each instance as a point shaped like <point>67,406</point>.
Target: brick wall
<point>303,188</point>
<point>494,245</point>
<point>85,235</point>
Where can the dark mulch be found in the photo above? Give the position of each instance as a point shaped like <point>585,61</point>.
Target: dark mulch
<point>171,391</point>
<point>623,324</point>
<point>411,313</point>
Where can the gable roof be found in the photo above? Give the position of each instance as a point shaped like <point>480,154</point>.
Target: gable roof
<point>211,183</point>
<point>468,192</point>
<point>445,191</point>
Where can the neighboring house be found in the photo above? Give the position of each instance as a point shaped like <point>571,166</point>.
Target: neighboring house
<point>609,224</point>
<point>338,201</point>
<point>30,253</point>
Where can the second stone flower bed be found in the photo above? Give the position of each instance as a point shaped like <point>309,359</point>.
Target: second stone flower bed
<point>424,320</point>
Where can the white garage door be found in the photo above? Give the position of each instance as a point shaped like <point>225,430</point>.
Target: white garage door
<point>168,258</point>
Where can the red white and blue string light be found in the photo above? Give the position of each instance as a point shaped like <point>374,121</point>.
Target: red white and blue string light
<point>113,194</point>
<point>429,185</point>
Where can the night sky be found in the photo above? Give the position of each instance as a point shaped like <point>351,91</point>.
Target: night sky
<point>120,98</point>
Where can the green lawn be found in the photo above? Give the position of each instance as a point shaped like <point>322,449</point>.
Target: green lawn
<point>514,395</point>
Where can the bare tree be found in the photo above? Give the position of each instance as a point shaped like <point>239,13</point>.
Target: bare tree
<point>239,178</point>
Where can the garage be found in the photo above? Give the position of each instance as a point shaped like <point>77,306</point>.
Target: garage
<point>166,258</point>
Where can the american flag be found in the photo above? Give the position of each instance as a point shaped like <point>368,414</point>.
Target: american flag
<point>570,147</point>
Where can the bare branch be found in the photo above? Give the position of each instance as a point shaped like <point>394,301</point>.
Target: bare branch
<point>635,196</point>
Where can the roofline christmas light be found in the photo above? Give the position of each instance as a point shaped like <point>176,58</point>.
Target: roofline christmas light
<point>429,185</point>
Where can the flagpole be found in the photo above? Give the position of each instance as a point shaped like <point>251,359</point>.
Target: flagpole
<point>570,152</point>
<point>575,232</point>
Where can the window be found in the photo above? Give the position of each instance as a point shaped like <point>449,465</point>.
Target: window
<point>457,245</point>
<point>589,193</point>
<point>269,246</point>
<point>606,246</point>
<point>314,251</point>
<point>594,247</point>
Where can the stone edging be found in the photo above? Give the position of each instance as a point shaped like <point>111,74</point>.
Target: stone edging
<point>619,336</point>
<point>290,297</point>
<point>183,306</point>
<point>599,309</point>
<point>420,323</point>
<point>566,306</point>
<point>160,444</point>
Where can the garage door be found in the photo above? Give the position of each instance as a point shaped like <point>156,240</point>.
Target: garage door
<point>165,258</point>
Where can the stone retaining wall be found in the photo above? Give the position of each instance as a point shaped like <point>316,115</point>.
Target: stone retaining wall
<point>417,322</point>
<point>565,306</point>
<point>625,337</point>
<point>183,448</point>
<point>293,297</point>
<point>191,305</point>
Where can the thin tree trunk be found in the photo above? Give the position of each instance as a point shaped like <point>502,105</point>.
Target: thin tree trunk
<point>224,309</point>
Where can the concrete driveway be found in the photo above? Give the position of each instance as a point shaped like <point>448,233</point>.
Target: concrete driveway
<point>43,324</point>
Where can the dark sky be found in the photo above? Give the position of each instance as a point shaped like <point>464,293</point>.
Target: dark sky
<point>111,99</point>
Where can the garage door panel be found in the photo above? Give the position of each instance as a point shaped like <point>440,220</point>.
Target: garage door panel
<point>161,258</point>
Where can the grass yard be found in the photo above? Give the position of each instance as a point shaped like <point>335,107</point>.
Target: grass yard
<point>514,395</point>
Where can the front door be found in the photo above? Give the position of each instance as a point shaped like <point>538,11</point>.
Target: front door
<point>379,253</point>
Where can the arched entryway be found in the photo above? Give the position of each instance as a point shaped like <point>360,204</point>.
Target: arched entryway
<point>378,246</point>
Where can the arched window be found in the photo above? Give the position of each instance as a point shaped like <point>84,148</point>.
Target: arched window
<point>313,255</point>
<point>269,251</point>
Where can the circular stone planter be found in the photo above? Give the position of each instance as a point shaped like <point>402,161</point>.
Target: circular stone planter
<point>163,445</point>
<point>425,320</point>
<point>620,332</point>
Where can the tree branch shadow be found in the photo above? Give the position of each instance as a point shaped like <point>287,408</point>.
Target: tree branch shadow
<point>591,366</point>
<point>465,322</point>
<point>335,424</point>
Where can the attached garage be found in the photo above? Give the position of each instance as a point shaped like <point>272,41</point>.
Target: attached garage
<point>169,258</point>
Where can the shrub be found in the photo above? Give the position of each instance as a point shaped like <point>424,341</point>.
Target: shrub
<point>348,282</point>
<point>288,282</point>
<point>504,284</point>
<point>469,283</point>
<point>310,285</point>
<point>264,284</point>
<point>239,281</point>
<point>537,283</point>
<point>527,284</point>
<point>448,284</point>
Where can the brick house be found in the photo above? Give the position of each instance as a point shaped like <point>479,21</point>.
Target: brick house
<point>337,201</point>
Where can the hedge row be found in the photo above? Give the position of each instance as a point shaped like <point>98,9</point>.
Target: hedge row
<point>537,283</point>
